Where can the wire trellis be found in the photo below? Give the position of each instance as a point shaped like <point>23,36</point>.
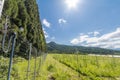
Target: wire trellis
<point>91,66</point>
<point>27,49</point>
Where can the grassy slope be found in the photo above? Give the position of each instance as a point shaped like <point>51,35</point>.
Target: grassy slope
<point>94,68</point>
<point>58,71</point>
<point>53,69</point>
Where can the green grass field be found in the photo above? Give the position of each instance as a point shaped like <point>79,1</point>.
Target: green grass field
<point>63,67</point>
<point>92,67</point>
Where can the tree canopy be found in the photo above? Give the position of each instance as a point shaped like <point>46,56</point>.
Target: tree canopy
<point>24,14</point>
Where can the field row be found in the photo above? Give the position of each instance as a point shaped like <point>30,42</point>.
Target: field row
<point>20,69</point>
<point>94,67</point>
<point>62,67</point>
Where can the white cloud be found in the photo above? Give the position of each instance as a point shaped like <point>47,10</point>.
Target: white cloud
<point>75,41</point>
<point>90,33</point>
<point>47,36</point>
<point>60,21</point>
<point>46,23</point>
<point>45,33</point>
<point>95,33</point>
<point>109,40</point>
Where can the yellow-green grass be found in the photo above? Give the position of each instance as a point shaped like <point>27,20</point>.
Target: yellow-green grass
<point>19,68</point>
<point>95,67</point>
<point>50,69</point>
<point>63,67</point>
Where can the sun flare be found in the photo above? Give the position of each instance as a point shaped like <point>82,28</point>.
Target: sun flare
<point>71,3</point>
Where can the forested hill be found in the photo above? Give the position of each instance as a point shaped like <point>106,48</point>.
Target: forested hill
<point>57,48</point>
<point>23,18</point>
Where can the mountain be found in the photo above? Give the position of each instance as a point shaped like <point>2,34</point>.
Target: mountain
<point>53,47</point>
<point>24,15</point>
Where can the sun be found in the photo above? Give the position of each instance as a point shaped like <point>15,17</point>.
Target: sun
<point>72,3</point>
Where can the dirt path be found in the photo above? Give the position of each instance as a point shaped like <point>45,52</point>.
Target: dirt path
<point>60,71</point>
<point>85,76</point>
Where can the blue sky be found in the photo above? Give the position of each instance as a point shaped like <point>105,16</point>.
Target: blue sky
<point>94,23</point>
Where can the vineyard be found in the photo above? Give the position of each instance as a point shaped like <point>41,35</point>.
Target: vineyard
<point>63,67</point>
<point>25,53</point>
<point>91,67</point>
<point>22,69</point>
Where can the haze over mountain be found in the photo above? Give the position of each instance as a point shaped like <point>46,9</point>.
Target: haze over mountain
<point>59,48</point>
<point>93,23</point>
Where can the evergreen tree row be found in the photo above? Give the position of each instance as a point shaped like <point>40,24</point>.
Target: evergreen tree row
<point>24,19</point>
